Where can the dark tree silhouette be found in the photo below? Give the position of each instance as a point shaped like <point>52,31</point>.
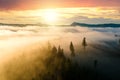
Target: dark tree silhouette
<point>49,46</point>
<point>84,43</point>
<point>72,49</point>
<point>95,66</point>
<point>59,49</point>
<point>95,63</point>
<point>60,52</point>
<point>119,41</point>
<point>54,50</point>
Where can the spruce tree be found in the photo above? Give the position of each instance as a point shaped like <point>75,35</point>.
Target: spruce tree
<point>49,46</point>
<point>84,43</point>
<point>72,49</point>
<point>54,50</point>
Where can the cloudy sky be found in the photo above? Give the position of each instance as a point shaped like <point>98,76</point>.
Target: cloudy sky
<point>66,11</point>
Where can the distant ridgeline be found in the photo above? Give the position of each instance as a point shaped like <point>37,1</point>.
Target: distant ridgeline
<point>22,25</point>
<point>95,25</point>
<point>73,24</point>
<point>37,24</point>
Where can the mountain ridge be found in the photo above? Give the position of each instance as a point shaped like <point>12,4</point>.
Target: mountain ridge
<point>95,25</point>
<point>73,24</point>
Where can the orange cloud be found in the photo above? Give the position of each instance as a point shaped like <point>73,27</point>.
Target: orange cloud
<point>36,4</point>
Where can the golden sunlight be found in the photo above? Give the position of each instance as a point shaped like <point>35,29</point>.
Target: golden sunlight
<point>50,16</point>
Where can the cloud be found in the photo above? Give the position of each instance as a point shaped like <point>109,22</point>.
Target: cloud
<point>36,4</point>
<point>91,15</point>
<point>8,4</point>
<point>65,15</point>
<point>99,20</point>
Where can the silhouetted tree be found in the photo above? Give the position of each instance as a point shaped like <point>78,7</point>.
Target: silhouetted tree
<point>49,46</point>
<point>84,43</point>
<point>59,49</point>
<point>72,49</point>
<point>95,66</point>
<point>60,52</point>
<point>95,63</point>
<point>119,41</point>
<point>54,50</point>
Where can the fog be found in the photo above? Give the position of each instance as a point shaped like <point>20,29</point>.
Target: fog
<point>103,45</point>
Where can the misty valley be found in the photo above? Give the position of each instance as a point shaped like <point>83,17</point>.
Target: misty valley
<point>59,53</point>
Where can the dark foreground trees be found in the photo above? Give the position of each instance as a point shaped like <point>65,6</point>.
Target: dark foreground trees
<point>50,63</point>
<point>72,49</point>
<point>60,67</point>
<point>84,43</point>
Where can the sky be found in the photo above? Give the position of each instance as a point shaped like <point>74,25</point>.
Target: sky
<point>64,11</point>
<point>36,4</point>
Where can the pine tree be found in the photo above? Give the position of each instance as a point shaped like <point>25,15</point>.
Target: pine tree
<point>54,50</point>
<point>72,49</point>
<point>84,43</point>
<point>49,46</point>
<point>119,41</point>
<point>59,49</point>
<point>60,52</point>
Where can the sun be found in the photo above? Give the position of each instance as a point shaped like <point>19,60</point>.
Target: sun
<point>50,16</point>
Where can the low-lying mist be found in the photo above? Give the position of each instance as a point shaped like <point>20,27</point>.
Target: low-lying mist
<point>24,51</point>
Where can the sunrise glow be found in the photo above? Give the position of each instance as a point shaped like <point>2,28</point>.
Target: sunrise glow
<point>50,16</point>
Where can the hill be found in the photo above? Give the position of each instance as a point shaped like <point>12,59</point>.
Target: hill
<point>95,25</point>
